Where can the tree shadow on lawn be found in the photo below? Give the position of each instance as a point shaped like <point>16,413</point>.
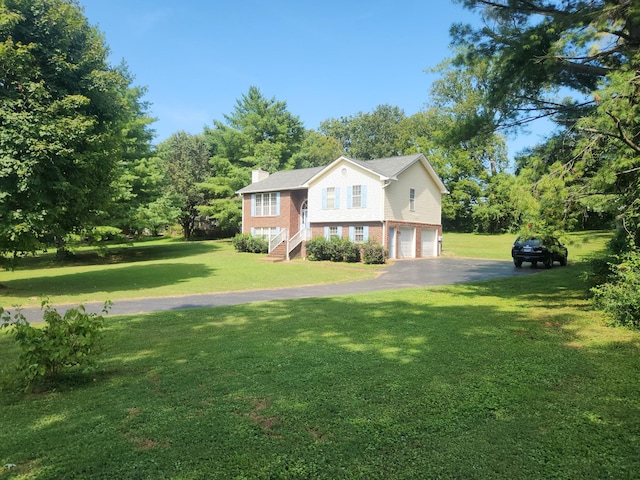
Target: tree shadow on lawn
<point>121,253</point>
<point>387,379</point>
<point>132,278</point>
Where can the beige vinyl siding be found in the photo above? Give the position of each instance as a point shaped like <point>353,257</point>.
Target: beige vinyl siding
<point>427,197</point>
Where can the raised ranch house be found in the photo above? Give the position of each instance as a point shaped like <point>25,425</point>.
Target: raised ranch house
<point>395,201</point>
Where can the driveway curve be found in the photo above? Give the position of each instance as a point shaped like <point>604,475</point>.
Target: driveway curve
<point>398,275</point>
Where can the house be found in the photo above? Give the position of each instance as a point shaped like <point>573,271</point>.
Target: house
<point>395,201</point>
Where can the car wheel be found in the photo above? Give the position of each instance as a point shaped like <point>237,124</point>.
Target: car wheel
<point>548,262</point>
<point>534,264</point>
<point>563,261</point>
<point>517,262</point>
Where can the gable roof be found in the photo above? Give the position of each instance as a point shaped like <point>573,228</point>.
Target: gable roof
<point>387,168</point>
<point>283,180</point>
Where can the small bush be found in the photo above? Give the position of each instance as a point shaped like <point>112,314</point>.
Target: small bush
<point>373,253</point>
<point>64,342</point>
<point>248,243</point>
<point>336,250</point>
<point>620,295</point>
<point>317,249</point>
<point>351,253</point>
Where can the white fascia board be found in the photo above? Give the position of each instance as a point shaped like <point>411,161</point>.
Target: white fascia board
<point>342,158</point>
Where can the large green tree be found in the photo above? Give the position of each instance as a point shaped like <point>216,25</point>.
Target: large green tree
<point>369,135</point>
<point>185,159</point>
<point>542,49</point>
<point>259,133</point>
<point>62,114</point>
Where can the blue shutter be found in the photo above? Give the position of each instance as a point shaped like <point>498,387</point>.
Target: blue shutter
<point>253,205</point>
<point>253,232</point>
<point>324,198</point>
<point>278,204</point>
<point>326,233</point>
<point>352,234</point>
<point>349,196</point>
<point>364,196</point>
<point>339,232</point>
<point>337,197</point>
<point>365,233</point>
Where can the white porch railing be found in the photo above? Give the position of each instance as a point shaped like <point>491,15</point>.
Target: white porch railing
<point>293,242</point>
<point>283,236</point>
<point>298,238</point>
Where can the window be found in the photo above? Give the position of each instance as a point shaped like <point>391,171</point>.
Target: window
<point>332,232</point>
<point>412,199</point>
<point>266,204</point>
<point>264,232</point>
<point>357,196</point>
<point>358,235</point>
<point>330,198</point>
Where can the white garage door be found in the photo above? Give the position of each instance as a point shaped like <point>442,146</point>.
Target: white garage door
<point>407,241</point>
<point>429,242</point>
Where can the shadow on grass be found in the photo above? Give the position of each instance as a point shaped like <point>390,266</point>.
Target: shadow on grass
<point>120,253</point>
<point>135,277</point>
<point>347,387</point>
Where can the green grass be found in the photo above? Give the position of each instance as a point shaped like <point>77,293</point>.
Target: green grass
<point>503,379</point>
<point>161,268</point>
<point>168,267</point>
<point>498,247</point>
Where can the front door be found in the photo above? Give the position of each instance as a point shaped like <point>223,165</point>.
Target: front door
<point>304,216</point>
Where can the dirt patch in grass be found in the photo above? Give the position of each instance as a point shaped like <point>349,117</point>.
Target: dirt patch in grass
<point>265,423</point>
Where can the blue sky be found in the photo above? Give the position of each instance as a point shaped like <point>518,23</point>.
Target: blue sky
<point>324,59</point>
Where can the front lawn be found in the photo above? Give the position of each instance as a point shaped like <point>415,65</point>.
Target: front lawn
<point>160,268</point>
<point>505,379</point>
<point>170,267</point>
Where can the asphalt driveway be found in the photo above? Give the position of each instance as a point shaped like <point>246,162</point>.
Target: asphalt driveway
<point>398,275</point>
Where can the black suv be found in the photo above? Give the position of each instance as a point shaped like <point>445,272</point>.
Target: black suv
<point>534,250</point>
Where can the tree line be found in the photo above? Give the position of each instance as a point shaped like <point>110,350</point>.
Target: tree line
<point>76,139</point>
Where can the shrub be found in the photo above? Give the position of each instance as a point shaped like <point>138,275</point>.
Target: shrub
<point>336,250</point>
<point>351,253</point>
<point>249,243</point>
<point>64,342</point>
<point>373,253</point>
<point>620,296</point>
<point>317,249</point>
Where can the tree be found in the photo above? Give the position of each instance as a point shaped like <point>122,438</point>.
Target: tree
<point>369,135</point>
<point>316,150</point>
<point>186,160</point>
<point>62,112</point>
<point>142,199</point>
<point>458,129</point>
<point>589,48</point>
<point>259,133</point>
